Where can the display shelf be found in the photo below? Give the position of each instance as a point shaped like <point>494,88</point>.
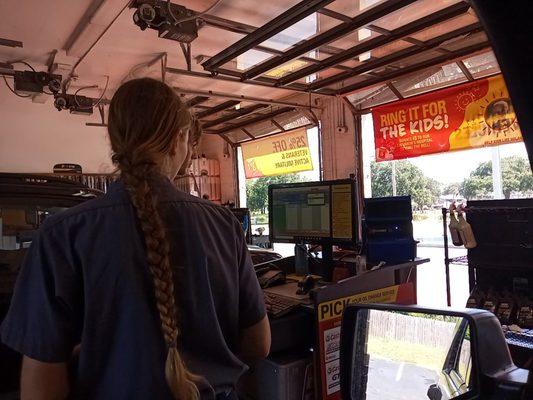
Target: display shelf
<point>92,180</point>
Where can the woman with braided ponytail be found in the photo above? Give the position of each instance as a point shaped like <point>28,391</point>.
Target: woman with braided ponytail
<point>154,286</point>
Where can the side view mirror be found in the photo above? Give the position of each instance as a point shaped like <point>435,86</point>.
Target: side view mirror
<point>401,352</point>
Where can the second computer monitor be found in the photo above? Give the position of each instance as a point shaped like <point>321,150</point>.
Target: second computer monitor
<point>313,212</point>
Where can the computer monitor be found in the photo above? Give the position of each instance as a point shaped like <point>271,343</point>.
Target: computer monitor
<point>314,212</point>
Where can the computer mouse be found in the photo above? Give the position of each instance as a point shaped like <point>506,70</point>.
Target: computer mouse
<point>306,284</point>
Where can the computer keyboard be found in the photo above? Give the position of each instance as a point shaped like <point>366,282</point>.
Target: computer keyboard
<point>520,339</point>
<point>278,306</point>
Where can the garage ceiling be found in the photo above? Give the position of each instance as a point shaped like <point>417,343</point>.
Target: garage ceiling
<point>255,71</point>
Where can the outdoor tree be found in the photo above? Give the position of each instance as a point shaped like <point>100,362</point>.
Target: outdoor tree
<point>516,178</point>
<point>452,188</point>
<point>410,180</point>
<point>257,190</point>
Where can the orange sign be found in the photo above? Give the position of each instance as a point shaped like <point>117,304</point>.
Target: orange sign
<point>476,114</point>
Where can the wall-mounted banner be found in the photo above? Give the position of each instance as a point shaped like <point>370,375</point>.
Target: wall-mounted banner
<point>276,155</point>
<point>475,114</point>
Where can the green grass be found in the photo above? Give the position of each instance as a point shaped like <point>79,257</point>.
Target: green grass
<point>395,350</point>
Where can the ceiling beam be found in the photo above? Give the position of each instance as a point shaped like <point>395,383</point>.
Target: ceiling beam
<point>371,44</point>
<point>251,99</point>
<point>262,81</point>
<point>397,56</point>
<point>236,114</point>
<point>276,133</point>
<point>328,36</point>
<point>395,90</point>
<point>10,43</point>
<point>255,120</point>
<point>277,125</point>
<point>334,14</point>
<point>265,32</point>
<point>245,29</point>
<point>248,133</point>
<point>196,100</point>
<point>466,51</point>
<point>464,69</point>
<point>217,108</point>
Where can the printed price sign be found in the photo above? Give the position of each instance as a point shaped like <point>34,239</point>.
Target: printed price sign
<point>329,330</point>
<point>277,155</point>
<point>475,114</point>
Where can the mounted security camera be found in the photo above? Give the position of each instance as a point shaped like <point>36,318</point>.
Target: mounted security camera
<point>172,21</point>
<point>76,104</point>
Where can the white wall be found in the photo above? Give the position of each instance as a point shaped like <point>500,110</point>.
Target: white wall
<point>34,137</point>
<point>338,148</point>
<point>213,147</point>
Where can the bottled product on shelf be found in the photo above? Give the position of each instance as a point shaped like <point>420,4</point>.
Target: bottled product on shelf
<point>465,231</point>
<point>454,227</point>
<point>202,179</point>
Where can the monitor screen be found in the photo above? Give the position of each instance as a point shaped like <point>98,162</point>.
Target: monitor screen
<point>314,212</point>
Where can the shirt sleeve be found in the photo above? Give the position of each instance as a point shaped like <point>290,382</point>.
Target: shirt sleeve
<point>41,321</point>
<point>251,301</point>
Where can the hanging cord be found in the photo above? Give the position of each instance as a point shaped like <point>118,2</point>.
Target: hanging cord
<point>179,21</point>
<point>80,60</point>
<point>12,91</point>
<point>91,87</point>
<point>9,87</point>
<point>23,62</point>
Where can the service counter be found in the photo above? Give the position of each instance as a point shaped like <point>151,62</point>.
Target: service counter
<point>304,359</point>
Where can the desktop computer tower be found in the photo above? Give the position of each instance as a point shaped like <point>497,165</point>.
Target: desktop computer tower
<point>279,377</point>
<point>388,230</point>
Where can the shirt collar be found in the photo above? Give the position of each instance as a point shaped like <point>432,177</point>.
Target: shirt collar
<point>164,187</point>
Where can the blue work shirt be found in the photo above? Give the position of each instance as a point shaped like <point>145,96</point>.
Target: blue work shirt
<point>86,280</point>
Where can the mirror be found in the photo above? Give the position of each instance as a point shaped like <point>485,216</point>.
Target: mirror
<point>399,355</point>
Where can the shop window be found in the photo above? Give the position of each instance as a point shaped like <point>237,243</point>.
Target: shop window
<point>434,181</point>
<point>253,193</point>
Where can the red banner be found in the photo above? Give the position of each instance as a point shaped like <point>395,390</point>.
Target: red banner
<point>475,114</point>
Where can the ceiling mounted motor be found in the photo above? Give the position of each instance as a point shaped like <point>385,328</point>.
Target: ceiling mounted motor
<point>76,104</point>
<point>32,82</point>
<point>171,21</point>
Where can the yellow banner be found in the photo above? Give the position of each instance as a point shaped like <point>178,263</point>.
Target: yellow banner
<point>276,155</point>
<point>333,309</point>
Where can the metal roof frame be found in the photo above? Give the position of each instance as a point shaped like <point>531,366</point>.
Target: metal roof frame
<point>328,36</point>
<point>371,44</point>
<point>348,25</point>
<point>236,114</point>
<point>253,121</point>
<point>271,28</point>
<point>431,51</point>
<point>398,56</point>
<point>451,56</point>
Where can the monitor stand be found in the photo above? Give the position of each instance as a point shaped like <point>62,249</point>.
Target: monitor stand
<point>301,260</point>
<point>327,262</point>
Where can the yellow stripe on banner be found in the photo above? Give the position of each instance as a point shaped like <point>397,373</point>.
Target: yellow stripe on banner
<point>334,308</point>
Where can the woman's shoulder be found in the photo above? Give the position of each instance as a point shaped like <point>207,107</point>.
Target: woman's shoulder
<point>85,210</point>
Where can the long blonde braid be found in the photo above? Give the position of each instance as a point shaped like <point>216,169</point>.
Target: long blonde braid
<point>138,147</point>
